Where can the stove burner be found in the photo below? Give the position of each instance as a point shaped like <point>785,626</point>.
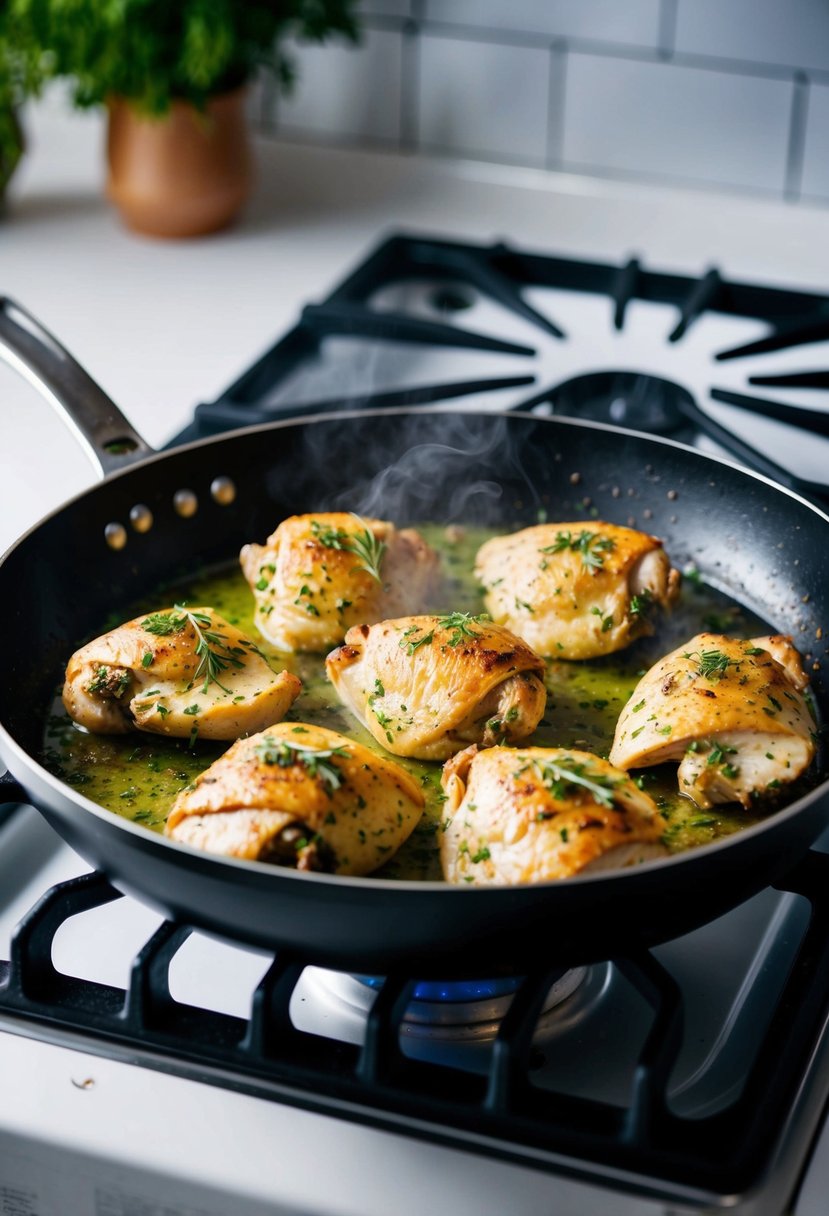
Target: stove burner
<point>641,402</point>
<point>446,1022</point>
<point>425,321</point>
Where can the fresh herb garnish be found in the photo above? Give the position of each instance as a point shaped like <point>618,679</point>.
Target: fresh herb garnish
<point>315,760</point>
<point>591,545</point>
<point>364,544</point>
<point>214,653</point>
<point>459,623</point>
<point>712,664</point>
<point>410,647</point>
<point>641,603</point>
<point>562,777</point>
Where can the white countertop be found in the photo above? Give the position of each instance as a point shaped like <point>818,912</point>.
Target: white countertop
<point>163,325</point>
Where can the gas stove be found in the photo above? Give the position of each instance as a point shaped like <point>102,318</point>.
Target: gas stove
<point>152,1070</point>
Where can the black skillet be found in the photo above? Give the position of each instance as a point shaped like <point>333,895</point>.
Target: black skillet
<point>763,545</point>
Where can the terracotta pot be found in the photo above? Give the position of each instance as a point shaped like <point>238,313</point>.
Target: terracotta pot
<point>185,174</point>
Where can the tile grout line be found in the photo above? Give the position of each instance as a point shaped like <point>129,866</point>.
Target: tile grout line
<point>556,103</point>
<point>410,87</point>
<point>796,152</point>
<point>666,36</point>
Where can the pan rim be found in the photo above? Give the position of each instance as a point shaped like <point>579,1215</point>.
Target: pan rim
<point>586,424</point>
<point>263,872</point>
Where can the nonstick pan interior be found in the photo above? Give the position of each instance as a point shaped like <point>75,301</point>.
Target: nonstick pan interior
<point>64,580</point>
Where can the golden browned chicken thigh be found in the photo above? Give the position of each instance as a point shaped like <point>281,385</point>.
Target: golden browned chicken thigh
<point>731,712</point>
<point>576,591</point>
<point>301,796</point>
<point>319,574</point>
<point>519,815</point>
<point>426,686</point>
<point>181,671</point>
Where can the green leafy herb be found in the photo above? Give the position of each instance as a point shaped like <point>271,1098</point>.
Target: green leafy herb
<point>162,624</point>
<point>562,777</point>
<point>364,544</point>
<point>411,646</point>
<point>641,603</point>
<point>712,664</point>
<point>591,545</point>
<point>157,54</point>
<point>317,761</point>
<point>214,653</point>
<point>459,623</point>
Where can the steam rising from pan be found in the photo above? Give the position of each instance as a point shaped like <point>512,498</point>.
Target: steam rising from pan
<point>455,477</point>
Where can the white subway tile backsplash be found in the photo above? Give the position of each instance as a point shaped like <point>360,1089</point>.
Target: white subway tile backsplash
<point>631,22</point>
<point>484,99</point>
<point>661,119</point>
<point>346,91</point>
<point>792,33</point>
<point>816,158</point>
<point>712,92</point>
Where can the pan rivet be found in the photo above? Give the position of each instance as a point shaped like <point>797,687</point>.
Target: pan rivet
<point>141,517</point>
<point>223,491</point>
<point>115,535</point>
<point>186,503</point>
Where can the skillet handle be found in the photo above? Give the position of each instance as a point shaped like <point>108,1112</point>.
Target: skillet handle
<point>12,794</point>
<point>107,437</point>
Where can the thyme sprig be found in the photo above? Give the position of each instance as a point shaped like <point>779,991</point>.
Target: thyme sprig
<point>591,545</point>
<point>711,664</point>
<point>212,648</point>
<point>364,544</point>
<point>368,548</point>
<point>459,623</point>
<point>315,760</point>
<point>562,777</point>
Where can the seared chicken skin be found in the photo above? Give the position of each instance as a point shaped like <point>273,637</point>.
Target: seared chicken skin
<point>319,574</point>
<point>536,814</point>
<point>576,591</point>
<point>181,671</point>
<point>300,796</point>
<point>426,686</point>
<point>731,712</point>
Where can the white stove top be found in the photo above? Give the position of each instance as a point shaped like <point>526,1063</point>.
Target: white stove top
<point>83,1135</point>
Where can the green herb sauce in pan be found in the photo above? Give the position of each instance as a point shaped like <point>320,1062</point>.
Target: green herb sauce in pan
<point>138,775</point>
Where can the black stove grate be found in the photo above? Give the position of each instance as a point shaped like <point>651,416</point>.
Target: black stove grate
<point>500,1113</point>
<point>503,275</point>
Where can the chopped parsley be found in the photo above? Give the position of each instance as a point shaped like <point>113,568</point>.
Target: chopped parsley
<point>641,603</point>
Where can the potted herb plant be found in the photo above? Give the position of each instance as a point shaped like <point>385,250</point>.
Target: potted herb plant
<point>172,74</point>
<point>21,74</point>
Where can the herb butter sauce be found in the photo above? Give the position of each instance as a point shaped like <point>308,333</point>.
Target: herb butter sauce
<point>138,775</point>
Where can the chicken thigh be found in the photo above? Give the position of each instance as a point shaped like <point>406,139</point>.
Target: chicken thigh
<point>301,796</point>
<point>731,712</point>
<point>576,592</point>
<point>537,814</point>
<point>181,671</point>
<point>319,574</point>
<point>426,686</point>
